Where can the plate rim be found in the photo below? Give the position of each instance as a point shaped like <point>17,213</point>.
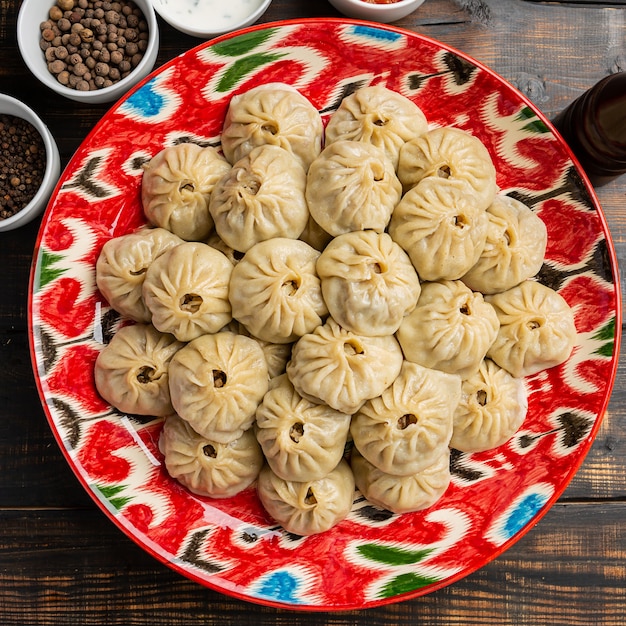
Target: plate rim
<point>142,542</point>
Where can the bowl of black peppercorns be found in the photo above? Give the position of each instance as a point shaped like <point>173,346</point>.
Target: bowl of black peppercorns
<point>90,51</point>
<point>29,164</point>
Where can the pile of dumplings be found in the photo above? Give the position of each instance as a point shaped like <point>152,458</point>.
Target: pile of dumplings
<point>314,310</point>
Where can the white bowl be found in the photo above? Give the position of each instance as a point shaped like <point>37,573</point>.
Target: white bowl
<point>210,23</point>
<point>33,12</point>
<point>384,13</point>
<point>14,107</point>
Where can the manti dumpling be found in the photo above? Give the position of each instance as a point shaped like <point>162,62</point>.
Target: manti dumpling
<point>131,371</point>
<point>176,188</point>
<point>402,494</point>
<point>450,329</point>
<point>493,406</point>
<point>368,282</point>
<point>537,329</point>
<point>409,426</point>
<point>216,383</point>
<point>275,114</point>
<point>352,186</point>
<point>215,241</point>
<point>340,368</point>
<point>308,507</point>
<point>276,354</point>
<point>301,440</point>
<point>122,265</point>
<point>205,467</point>
<point>261,197</point>
<point>442,226</point>
<point>514,250</point>
<point>377,115</point>
<point>186,290</point>
<point>449,153</point>
<point>275,291</point>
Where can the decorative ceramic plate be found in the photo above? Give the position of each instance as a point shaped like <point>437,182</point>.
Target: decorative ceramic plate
<point>373,557</point>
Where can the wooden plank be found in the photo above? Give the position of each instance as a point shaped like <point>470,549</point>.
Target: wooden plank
<point>75,567</point>
<point>35,472</point>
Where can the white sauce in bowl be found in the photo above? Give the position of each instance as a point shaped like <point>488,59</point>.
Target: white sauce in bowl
<point>214,15</point>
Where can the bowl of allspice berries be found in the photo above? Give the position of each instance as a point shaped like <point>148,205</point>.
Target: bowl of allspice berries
<point>90,51</point>
<point>29,164</point>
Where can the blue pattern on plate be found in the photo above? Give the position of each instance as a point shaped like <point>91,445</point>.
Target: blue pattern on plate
<point>146,101</point>
<point>281,586</point>
<point>377,34</point>
<point>523,512</point>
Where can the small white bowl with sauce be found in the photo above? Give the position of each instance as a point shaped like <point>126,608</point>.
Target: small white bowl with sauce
<point>384,11</point>
<point>209,18</point>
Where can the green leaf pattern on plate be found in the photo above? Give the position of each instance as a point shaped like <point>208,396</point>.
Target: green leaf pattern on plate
<point>111,494</point>
<point>535,125</point>
<point>48,272</point>
<point>606,334</point>
<point>398,557</point>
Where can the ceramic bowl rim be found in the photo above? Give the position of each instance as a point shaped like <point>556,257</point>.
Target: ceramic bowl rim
<point>28,20</point>
<point>12,106</point>
<point>206,33</point>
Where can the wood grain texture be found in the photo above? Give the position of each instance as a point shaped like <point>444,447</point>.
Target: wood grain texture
<point>63,562</point>
<point>73,567</point>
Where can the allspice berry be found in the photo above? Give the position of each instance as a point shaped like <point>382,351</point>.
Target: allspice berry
<point>55,13</point>
<point>91,44</point>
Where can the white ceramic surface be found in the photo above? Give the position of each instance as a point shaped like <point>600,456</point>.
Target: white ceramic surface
<point>205,29</point>
<point>12,106</point>
<point>384,13</point>
<point>33,12</point>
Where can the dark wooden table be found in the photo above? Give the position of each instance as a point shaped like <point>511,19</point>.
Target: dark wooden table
<point>62,561</point>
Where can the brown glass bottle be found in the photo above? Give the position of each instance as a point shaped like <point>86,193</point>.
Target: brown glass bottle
<point>594,127</point>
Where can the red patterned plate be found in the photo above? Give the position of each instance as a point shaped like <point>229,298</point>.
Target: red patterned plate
<point>373,557</point>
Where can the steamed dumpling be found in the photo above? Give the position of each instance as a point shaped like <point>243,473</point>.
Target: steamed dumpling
<point>368,282</point>
<point>131,371</point>
<point>408,427</point>
<point>514,250</point>
<point>308,507</point>
<point>205,467</point>
<point>449,153</point>
<point>260,198</point>
<point>215,241</point>
<point>186,291</point>
<point>176,189</point>
<point>450,329</point>
<point>122,265</point>
<point>275,291</point>
<point>274,114</point>
<point>537,329</point>
<point>217,382</point>
<point>340,368</point>
<point>377,115</point>
<point>442,226</point>
<point>493,406</point>
<point>352,186</point>
<point>301,440</point>
<point>276,354</point>
<point>402,494</point>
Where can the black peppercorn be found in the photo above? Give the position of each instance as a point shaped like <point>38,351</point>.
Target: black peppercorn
<point>22,164</point>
